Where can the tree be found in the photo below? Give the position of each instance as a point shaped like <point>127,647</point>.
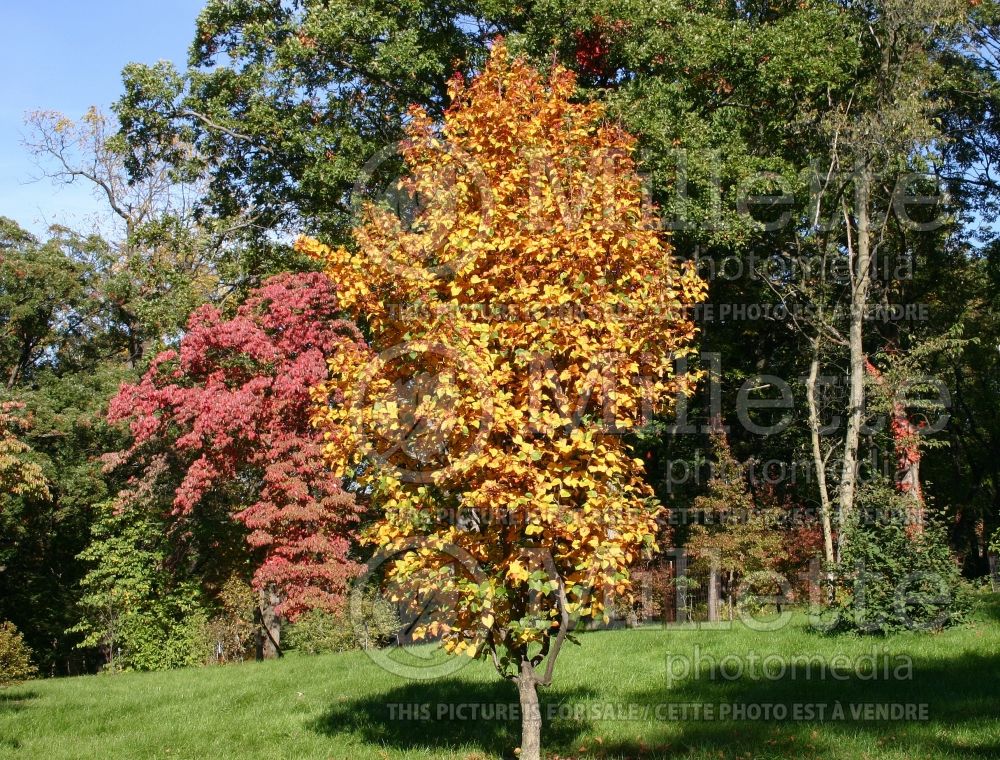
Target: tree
<point>136,606</point>
<point>284,102</point>
<point>42,297</point>
<point>520,328</point>
<point>155,258</point>
<point>19,474</point>
<point>230,411</point>
<point>735,534</point>
<point>876,135</point>
<point>54,366</point>
<point>15,656</point>
<point>828,108</point>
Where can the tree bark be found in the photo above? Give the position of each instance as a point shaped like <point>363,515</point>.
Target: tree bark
<point>817,452</point>
<point>861,260</point>
<point>994,571</point>
<point>531,715</point>
<point>713,595</point>
<point>268,626</point>
<point>528,680</point>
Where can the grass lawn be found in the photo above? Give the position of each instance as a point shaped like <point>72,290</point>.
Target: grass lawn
<point>610,699</point>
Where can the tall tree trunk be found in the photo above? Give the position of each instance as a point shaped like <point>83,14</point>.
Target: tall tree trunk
<point>531,715</point>
<point>268,626</point>
<point>817,452</point>
<point>861,261</point>
<point>23,358</point>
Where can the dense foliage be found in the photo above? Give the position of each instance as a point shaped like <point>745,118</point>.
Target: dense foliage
<point>897,575</point>
<point>796,151</point>
<point>15,656</point>
<point>583,302</point>
<point>231,407</point>
<point>372,621</point>
<point>135,609</point>
<point>751,119</point>
<point>741,532</point>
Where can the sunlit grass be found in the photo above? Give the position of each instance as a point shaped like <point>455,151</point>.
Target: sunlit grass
<point>611,692</point>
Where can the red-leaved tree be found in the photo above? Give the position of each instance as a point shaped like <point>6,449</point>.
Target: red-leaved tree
<point>232,407</point>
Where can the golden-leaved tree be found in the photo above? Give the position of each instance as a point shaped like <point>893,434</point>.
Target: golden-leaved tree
<point>20,475</point>
<point>524,318</point>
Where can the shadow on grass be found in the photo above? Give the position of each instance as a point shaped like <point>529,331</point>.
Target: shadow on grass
<point>11,702</point>
<point>959,693</point>
<point>446,715</point>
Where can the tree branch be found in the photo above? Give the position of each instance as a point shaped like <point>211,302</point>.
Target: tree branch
<point>225,130</point>
<point>546,679</point>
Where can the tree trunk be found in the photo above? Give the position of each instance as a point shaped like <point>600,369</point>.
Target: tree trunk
<point>994,561</point>
<point>817,452</point>
<point>906,440</point>
<point>268,636</point>
<point>713,595</point>
<point>861,260</point>
<point>531,715</point>
<point>23,358</point>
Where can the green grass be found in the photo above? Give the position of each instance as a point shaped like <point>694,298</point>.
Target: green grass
<point>338,706</point>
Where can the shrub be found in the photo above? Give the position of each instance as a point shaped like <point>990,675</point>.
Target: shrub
<point>894,576</point>
<point>318,631</point>
<point>375,621</point>
<point>15,656</point>
<point>169,635</point>
<point>230,633</point>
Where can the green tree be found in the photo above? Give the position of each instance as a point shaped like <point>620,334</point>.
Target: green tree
<point>284,102</point>
<point>152,259</point>
<point>893,575</point>
<point>136,608</point>
<point>42,290</point>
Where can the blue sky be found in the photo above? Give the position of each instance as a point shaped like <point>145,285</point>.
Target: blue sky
<point>66,56</point>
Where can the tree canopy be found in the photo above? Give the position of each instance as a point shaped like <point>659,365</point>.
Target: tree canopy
<point>549,317</point>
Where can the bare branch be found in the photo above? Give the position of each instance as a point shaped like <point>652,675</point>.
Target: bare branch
<point>220,128</point>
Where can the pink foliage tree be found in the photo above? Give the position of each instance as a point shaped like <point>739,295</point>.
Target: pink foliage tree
<point>233,403</point>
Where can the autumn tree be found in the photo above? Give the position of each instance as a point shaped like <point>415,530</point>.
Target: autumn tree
<point>15,656</point>
<point>20,475</point>
<point>521,324</point>
<point>742,531</point>
<point>229,411</point>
